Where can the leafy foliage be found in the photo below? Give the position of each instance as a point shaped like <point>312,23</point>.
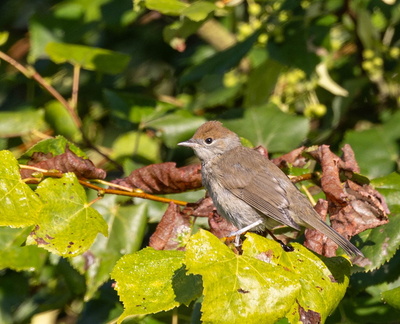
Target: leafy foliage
<point>98,89</point>
<point>263,284</point>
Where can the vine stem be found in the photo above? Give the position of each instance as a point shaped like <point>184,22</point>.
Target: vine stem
<point>138,193</point>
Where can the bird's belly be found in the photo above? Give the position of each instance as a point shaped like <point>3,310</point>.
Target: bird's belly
<point>235,210</point>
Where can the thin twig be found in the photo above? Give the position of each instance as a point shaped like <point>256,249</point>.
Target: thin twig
<point>75,86</point>
<point>308,194</point>
<point>100,190</point>
<point>31,73</point>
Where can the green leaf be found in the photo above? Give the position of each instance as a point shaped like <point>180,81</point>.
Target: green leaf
<point>180,29</point>
<point>381,243</point>
<point>261,82</point>
<point>385,238</point>
<point>212,93</point>
<point>376,153</point>
<point>369,35</point>
<point>55,146</point>
<point>267,125</point>
<point>389,186</point>
<point>20,206</point>
<point>61,121</point>
<point>3,37</point>
<point>151,281</point>
<point>376,148</point>
<point>220,62</point>
<point>137,145</point>
<point>166,7</point>
<point>392,297</point>
<point>198,10</point>
<point>90,58</point>
<point>294,50</point>
<point>265,283</point>
<point>67,225</point>
<point>176,127</point>
<point>323,280</point>
<point>127,226</point>
<point>17,257</point>
<point>18,123</point>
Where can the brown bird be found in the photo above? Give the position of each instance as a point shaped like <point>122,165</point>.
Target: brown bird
<point>249,190</point>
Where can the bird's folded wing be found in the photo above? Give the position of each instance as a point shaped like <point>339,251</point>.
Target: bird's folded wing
<point>258,188</point>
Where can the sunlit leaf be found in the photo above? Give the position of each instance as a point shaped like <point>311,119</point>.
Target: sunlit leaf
<point>3,37</point>
<point>127,226</point>
<point>151,281</point>
<point>198,10</point>
<point>167,7</point>
<point>20,206</point>
<point>18,123</point>
<point>61,121</point>
<point>137,145</point>
<point>90,58</point>
<point>265,283</point>
<point>67,225</point>
<point>392,297</point>
<point>54,146</point>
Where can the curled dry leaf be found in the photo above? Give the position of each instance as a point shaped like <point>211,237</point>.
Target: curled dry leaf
<point>202,208</point>
<point>163,178</point>
<point>294,158</point>
<point>66,162</point>
<point>315,240</point>
<point>353,208</point>
<point>219,226</point>
<point>172,231</point>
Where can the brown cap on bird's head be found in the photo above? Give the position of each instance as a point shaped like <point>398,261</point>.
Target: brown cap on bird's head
<point>213,129</point>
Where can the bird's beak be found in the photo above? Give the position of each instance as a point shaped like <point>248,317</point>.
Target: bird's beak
<point>188,143</point>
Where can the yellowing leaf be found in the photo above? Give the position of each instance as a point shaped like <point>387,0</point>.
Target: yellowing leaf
<point>149,281</point>
<point>66,225</point>
<point>127,226</point>
<point>265,283</point>
<point>323,280</point>
<point>19,205</point>
<point>239,288</point>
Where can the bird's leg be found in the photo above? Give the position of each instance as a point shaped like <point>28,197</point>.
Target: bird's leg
<point>244,230</point>
<point>286,248</point>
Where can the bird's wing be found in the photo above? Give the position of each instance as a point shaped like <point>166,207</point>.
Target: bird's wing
<point>257,185</point>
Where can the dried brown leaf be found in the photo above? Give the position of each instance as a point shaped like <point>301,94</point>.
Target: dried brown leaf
<point>203,208</point>
<point>163,178</point>
<point>172,229</point>
<point>219,226</point>
<point>353,208</point>
<point>294,158</point>
<point>315,240</point>
<point>66,162</point>
<point>349,162</point>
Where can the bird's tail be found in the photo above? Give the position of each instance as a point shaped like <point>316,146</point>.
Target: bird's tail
<point>345,244</point>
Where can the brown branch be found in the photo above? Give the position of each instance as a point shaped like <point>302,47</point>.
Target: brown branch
<point>75,86</point>
<point>100,190</point>
<point>30,73</point>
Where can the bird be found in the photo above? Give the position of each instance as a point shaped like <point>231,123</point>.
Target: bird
<point>249,190</point>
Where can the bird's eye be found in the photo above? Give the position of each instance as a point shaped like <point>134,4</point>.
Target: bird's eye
<point>208,140</point>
